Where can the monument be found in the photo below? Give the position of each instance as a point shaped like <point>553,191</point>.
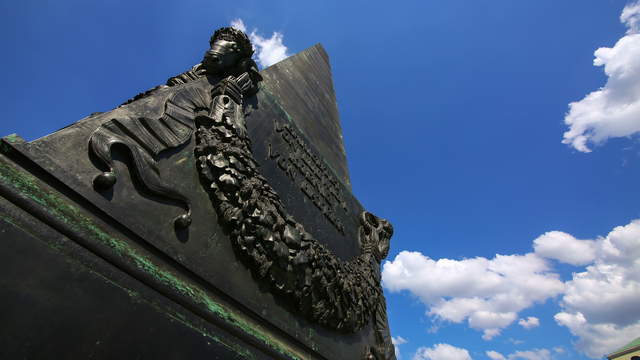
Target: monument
<point>211,216</point>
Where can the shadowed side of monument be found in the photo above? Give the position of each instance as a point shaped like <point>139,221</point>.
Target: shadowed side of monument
<point>218,203</point>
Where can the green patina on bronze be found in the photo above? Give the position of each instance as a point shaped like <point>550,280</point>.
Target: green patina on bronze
<point>10,220</point>
<point>181,318</point>
<point>5,148</point>
<point>274,100</point>
<point>28,185</point>
<point>13,138</point>
<point>134,295</point>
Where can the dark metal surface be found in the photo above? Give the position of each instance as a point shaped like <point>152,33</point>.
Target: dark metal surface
<point>312,291</point>
<point>60,300</point>
<point>302,85</point>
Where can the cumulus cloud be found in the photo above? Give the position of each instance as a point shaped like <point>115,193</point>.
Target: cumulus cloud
<point>565,248</point>
<point>487,293</point>
<point>600,305</point>
<point>441,352</point>
<point>397,341</point>
<point>529,323</point>
<point>613,110</point>
<point>268,51</point>
<point>596,340</point>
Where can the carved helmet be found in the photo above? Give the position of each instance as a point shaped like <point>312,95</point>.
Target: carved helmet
<point>235,35</point>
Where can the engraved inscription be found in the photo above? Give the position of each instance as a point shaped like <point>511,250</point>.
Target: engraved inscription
<point>310,173</point>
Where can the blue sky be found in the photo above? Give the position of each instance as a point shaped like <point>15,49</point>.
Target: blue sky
<point>454,115</point>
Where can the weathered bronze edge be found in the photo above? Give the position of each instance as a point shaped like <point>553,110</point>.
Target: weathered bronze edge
<point>25,190</point>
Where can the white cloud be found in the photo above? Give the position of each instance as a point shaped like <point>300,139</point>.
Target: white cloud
<point>238,24</point>
<point>622,245</point>
<point>605,293</point>
<point>631,17</point>
<point>268,51</point>
<point>596,340</point>
<point>397,341</point>
<point>536,354</point>
<point>600,305</point>
<point>529,323</point>
<point>487,293</point>
<point>613,110</point>
<point>565,248</point>
<point>494,355</point>
<point>490,333</point>
<point>441,352</point>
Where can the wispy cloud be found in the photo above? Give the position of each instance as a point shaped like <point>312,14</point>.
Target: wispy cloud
<point>494,355</point>
<point>397,341</point>
<point>631,17</point>
<point>268,51</point>
<point>614,110</point>
<point>535,354</point>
